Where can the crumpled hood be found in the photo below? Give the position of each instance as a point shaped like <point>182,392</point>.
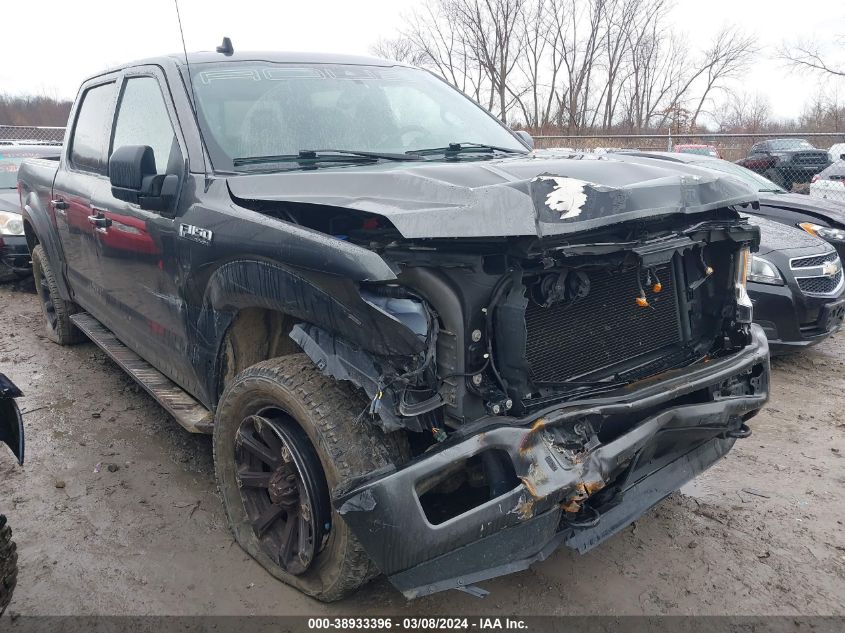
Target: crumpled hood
<point>536,195</point>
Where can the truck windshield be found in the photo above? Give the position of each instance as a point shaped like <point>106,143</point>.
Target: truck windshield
<point>263,109</point>
<point>782,144</point>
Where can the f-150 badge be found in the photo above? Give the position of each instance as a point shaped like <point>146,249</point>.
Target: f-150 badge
<point>195,233</point>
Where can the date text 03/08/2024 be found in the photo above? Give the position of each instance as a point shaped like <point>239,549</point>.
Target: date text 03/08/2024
<point>423,623</point>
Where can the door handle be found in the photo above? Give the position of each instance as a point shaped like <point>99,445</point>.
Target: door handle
<point>100,221</point>
<point>59,204</point>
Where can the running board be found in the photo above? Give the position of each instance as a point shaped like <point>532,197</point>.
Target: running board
<point>187,411</point>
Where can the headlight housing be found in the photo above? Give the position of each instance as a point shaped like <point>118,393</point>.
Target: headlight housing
<point>744,307</point>
<point>762,271</point>
<point>824,232</point>
<point>11,223</point>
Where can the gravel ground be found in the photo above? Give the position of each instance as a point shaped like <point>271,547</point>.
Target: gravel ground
<point>116,511</point>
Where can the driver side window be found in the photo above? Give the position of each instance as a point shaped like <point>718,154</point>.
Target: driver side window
<point>142,119</point>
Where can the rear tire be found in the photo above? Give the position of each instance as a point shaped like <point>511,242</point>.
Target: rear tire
<point>317,420</point>
<point>56,311</point>
<point>8,565</point>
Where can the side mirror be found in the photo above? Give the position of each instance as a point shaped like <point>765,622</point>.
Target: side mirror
<point>526,138</point>
<point>133,177</point>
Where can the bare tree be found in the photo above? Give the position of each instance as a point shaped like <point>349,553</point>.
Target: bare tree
<point>400,49</point>
<point>809,56</point>
<point>33,110</point>
<point>743,112</point>
<point>658,64</point>
<point>443,49</point>
<point>572,64</point>
<point>534,28</point>
<point>825,111</point>
<point>492,30</point>
<point>579,23</point>
<point>623,20</point>
<point>728,55</point>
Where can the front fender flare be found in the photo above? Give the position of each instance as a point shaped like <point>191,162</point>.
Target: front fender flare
<point>37,220</point>
<point>329,302</point>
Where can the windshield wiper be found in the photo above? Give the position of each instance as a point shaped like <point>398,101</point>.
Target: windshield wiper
<point>453,149</point>
<point>311,156</point>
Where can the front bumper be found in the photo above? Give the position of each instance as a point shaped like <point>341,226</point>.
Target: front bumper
<point>800,173</point>
<point>682,422</point>
<point>14,254</point>
<point>791,320</point>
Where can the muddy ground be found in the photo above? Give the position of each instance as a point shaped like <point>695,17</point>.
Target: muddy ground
<point>760,533</point>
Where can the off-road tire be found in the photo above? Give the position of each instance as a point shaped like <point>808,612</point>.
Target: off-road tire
<point>59,327</point>
<point>8,564</point>
<point>330,413</point>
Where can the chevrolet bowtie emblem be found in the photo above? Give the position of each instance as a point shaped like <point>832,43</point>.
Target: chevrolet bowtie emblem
<point>831,268</point>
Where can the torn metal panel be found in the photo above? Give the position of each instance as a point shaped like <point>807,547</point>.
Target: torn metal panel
<point>552,479</point>
<point>337,358</point>
<point>518,547</point>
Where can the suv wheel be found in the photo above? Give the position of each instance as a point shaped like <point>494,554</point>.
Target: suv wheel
<point>56,311</point>
<point>8,564</point>
<point>284,437</point>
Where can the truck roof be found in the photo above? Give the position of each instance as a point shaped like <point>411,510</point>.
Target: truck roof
<point>202,57</point>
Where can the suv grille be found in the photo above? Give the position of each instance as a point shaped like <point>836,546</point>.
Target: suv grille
<point>813,274</point>
<point>815,260</point>
<point>820,285</point>
<point>810,158</point>
<point>605,328</point>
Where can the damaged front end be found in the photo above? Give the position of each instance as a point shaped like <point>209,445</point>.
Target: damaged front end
<point>564,381</point>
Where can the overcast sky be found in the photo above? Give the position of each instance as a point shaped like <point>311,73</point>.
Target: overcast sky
<point>49,46</point>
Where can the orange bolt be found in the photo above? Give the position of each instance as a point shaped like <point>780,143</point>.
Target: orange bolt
<point>642,302</point>
<point>657,287</point>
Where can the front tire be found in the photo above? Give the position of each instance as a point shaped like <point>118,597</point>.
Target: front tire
<point>284,437</point>
<point>8,564</point>
<point>56,311</point>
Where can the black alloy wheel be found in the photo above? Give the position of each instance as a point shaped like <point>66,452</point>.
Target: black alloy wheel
<point>283,489</point>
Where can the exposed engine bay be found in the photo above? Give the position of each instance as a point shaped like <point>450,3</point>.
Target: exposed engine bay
<point>512,326</point>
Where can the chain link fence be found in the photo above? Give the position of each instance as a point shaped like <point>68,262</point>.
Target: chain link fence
<point>810,163</point>
<point>31,135</point>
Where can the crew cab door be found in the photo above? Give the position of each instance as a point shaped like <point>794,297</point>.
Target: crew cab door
<point>83,169</point>
<point>137,247</point>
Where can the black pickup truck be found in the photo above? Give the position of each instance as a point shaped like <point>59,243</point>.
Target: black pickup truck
<point>786,161</point>
<point>422,349</point>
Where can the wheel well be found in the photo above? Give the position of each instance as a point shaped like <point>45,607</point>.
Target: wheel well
<point>255,335</point>
<point>31,237</point>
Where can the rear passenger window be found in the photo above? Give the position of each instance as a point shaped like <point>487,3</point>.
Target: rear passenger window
<point>89,143</point>
<point>142,119</point>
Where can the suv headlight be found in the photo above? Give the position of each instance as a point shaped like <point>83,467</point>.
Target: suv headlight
<point>762,271</point>
<point>11,223</point>
<point>744,307</point>
<point>824,232</point>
